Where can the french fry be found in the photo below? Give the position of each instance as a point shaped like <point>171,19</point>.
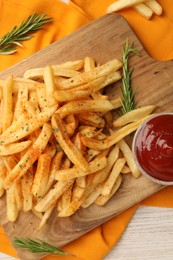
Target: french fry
<point>26,185</point>
<point>22,97</point>
<point>116,103</point>
<point>125,170</point>
<point>69,148</point>
<point>102,175</point>
<point>48,75</point>
<point>3,173</point>
<point>66,198</point>
<point>32,108</point>
<point>7,113</point>
<point>77,107</point>
<point>41,177</point>
<point>53,194</point>
<point>64,95</point>
<point>33,96</point>
<point>76,193</point>
<point>121,4</point>
<point>13,148</point>
<point>93,196</point>
<point>109,119</point>
<point>28,127</point>
<point>91,119</point>
<point>154,6</point>
<point>54,167</point>
<point>71,124</point>
<point>101,200</point>
<point>42,98</point>
<point>89,63</point>
<point>144,10</point>
<point>129,157</point>
<point>29,157</point>
<point>18,195</point>
<point>46,215</point>
<point>97,164</point>
<point>134,115</point>
<point>98,72</point>
<point>116,170</point>
<point>91,153</point>
<point>12,210</point>
<point>70,65</point>
<point>112,139</point>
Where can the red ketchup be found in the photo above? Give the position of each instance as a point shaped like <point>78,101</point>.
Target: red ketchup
<point>153,147</point>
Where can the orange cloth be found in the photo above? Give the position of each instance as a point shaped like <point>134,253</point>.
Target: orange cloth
<point>156,36</point>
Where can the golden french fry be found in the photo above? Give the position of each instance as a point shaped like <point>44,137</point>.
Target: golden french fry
<point>116,170</point>
<point>51,197</point>
<point>28,127</point>
<point>121,4</point>
<point>66,198</point>
<point>89,63</point>
<point>22,97</point>
<point>32,108</point>
<point>12,210</point>
<point>29,157</point>
<point>155,6</point>
<point>116,103</point>
<point>13,148</point>
<point>7,113</point>
<point>3,173</point>
<point>77,107</point>
<point>70,65</point>
<point>68,147</point>
<point>91,119</point>
<point>33,96</point>
<point>77,192</point>
<point>42,98</point>
<point>48,75</point>
<point>129,157</point>
<point>81,181</point>
<point>114,138</point>
<point>18,195</point>
<point>77,201</point>
<point>46,215</point>
<point>134,115</point>
<point>64,95</point>
<point>144,10</point>
<point>101,200</point>
<point>93,196</point>
<point>41,177</point>
<point>102,175</point>
<point>26,184</point>
<point>97,164</point>
<point>98,96</point>
<point>54,167</point>
<point>98,72</point>
<point>125,170</point>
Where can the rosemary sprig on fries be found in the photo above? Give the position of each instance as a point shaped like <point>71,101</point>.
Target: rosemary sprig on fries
<point>127,99</point>
<point>20,33</point>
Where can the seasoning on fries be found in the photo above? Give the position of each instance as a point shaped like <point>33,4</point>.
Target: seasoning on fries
<point>56,152</point>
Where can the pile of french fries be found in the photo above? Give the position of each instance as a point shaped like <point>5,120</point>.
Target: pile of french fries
<point>60,146</point>
<point>146,8</point>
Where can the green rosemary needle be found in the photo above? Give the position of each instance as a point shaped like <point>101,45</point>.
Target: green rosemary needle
<point>127,99</point>
<point>12,39</point>
<point>38,247</point>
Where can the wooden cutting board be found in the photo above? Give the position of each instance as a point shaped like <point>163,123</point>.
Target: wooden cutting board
<point>103,40</point>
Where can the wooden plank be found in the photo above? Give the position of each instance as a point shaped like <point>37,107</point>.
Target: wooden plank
<point>103,40</point>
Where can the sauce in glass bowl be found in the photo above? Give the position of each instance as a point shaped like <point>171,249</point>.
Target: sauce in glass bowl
<point>153,148</point>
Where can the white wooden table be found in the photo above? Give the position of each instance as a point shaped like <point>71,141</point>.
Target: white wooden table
<point>149,236</point>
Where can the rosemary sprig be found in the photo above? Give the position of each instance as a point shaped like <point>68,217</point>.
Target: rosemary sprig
<point>12,39</point>
<point>38,247</point>
<point>127,99</point>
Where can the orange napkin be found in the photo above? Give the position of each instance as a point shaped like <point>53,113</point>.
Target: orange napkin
<point>155,35</point>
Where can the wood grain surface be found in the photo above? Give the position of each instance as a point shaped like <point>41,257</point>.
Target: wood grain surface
<point>103,40</point>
